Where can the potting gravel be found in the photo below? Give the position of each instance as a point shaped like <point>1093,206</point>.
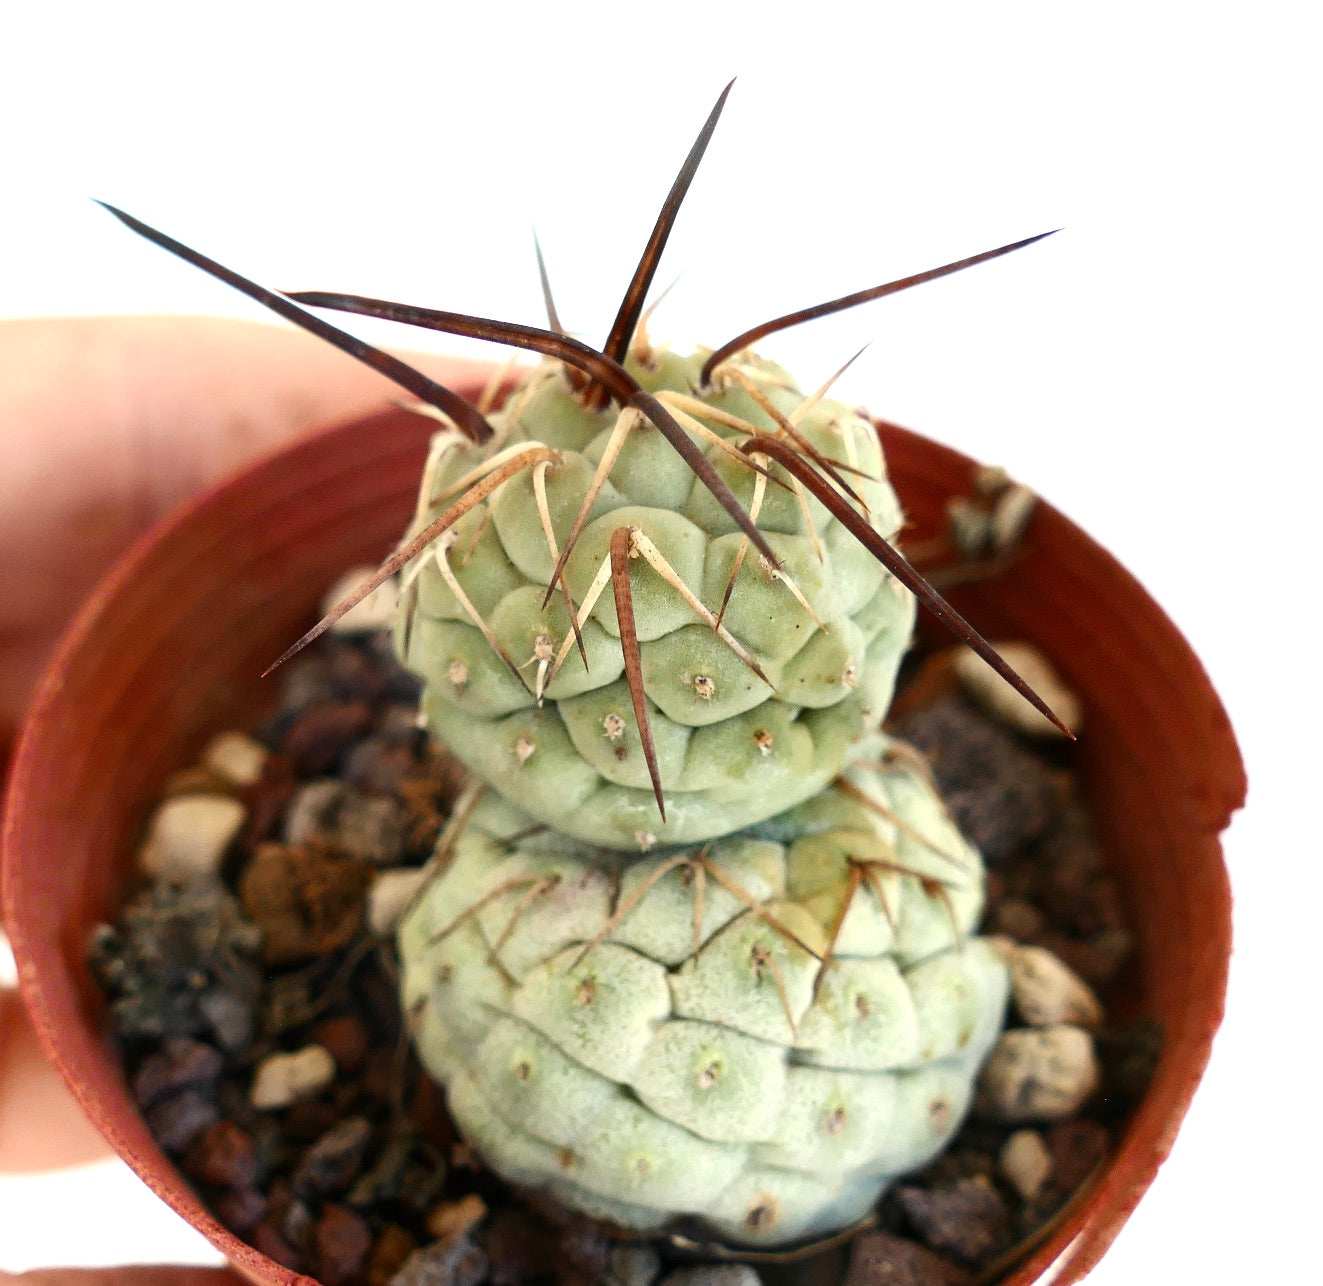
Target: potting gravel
<point>251,984</point>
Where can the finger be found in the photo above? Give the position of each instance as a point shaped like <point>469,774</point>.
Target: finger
<point>41,1125</point>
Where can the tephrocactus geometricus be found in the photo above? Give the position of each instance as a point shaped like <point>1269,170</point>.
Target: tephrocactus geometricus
<point>731,680</point>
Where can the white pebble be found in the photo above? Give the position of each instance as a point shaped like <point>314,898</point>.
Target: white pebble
<point>1026,1163</point>
<point>991,480</point>
<point>375,612</point>
<point>1038,1074</point>
<point>282,1079</point>
<point>1015,506</point>
<point>1005,704</point>
<point>236,757</point>
<point>969,527</point>
<point>389,897</point>
<point>1047,992</point>
<point>188,835</point>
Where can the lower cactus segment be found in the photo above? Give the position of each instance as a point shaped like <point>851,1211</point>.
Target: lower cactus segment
<point>753,682</point>
<point>759,1034</point>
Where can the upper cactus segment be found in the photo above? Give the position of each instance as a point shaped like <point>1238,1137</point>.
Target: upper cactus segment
<point>710,679</point>
<point>598,377</point>
<point>760,1033</point>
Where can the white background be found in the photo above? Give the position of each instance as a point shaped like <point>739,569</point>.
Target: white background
<point>1150,369</point>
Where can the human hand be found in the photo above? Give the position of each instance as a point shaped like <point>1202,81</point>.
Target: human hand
<point>108,423</point>
<point>105,425</point>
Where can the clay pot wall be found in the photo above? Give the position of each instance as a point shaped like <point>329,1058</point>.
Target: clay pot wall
<point>168,650</point>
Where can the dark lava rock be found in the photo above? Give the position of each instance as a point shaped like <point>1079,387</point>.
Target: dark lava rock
<point>884,1259</point>
<point>421,1186</point>
<point>382,1182</point>
<point>279,1196</point>
<point>173,944</point>
<point>290,998</point>
<point>378,767</point>
<point>960,1161</point>
<point>178,1064</point>
<point>518,1245</point>
<point>231,1016</point>
<point>268,800</point>
<point>319,737</point>
<point>1097,960</point>
<point>968,1219</point>
<point>381,1076</point>
<point>179,1119</point>
<point>1002,796</point>
<point>306,1121</point>
<point>357,673</point>
<point>346,1039</point>
<point>305,684</point>
<point>377,998</point>
<point>398,686</point>
<point>428,1115</point>
<point>241,1210</point>
<point>224,1156</point>
<point>583,1247</point>
<point>334,1161</point>
<point>1074,890</point>
<point>1129,1057</point>
<point>825,1268</point>
<point>232,1096</point>
<point>341,1244</point>
<point>1076,1147</point>
<point>267,1241</point>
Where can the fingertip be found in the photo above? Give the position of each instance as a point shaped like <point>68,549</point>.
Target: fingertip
<point>41,1125</point>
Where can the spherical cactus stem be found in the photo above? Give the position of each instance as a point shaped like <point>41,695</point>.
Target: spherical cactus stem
<point>752,1032</point>
<point>776,449</point>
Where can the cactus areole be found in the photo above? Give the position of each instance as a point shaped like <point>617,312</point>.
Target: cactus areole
<point>698,942</point>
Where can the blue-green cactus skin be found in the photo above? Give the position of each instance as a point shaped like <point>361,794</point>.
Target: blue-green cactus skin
<point>733,748</point>
<point>822,1038</point>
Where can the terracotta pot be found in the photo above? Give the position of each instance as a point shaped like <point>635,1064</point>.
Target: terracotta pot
<point>168,649</point>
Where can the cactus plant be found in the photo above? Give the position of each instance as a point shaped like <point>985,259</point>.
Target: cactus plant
<point>759,1033</point>
<point>749,638</point>
<point>752,702</point>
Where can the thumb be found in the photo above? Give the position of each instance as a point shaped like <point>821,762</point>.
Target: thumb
<point>191,397</point>
<point>109,422</point>
<point>41,1125</point>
